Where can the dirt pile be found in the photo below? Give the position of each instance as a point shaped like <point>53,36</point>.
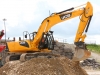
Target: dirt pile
<point>43,66</point>
<point>47,66</point>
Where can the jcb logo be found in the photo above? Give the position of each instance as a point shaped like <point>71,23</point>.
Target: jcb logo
<point>23,42</point>
<point>65,16</point>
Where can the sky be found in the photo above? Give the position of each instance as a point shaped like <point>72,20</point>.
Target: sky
<point>27,15</point>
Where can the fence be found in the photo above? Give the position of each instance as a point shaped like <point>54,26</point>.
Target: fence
<point>90,41</point>
<point>65,40</point>
<point>61,40</point>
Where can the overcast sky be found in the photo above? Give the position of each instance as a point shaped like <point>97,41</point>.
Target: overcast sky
<point>27,15</point>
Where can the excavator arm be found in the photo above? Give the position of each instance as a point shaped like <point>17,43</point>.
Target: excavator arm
<point>43,38</point>
<point>85,15</point>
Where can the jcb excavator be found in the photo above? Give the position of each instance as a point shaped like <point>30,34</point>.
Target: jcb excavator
<point>41,43</point>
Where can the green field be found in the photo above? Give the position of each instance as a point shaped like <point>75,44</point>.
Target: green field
<point>94,47</point>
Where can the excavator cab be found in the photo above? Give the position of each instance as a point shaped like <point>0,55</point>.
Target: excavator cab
<point>47,41</point>
<point>31,36</point>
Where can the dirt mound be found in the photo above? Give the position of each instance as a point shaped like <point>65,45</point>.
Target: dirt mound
<point>47,66</point>
<point>43,66</point>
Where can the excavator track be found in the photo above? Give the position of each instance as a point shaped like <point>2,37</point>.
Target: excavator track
<point>12,57</point>
<point>27,56</point>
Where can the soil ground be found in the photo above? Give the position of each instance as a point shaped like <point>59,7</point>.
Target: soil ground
<point>93,72</point>
<point>43,66</point>
<point>95,56</point>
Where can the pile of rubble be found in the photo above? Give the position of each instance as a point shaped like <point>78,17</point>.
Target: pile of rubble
<point>64,49</point>
<point>43,66</point>
<point>90,62</point>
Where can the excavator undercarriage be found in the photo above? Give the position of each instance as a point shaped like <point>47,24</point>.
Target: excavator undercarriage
<point>27,56</point>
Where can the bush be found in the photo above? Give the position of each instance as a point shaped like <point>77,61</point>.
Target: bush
<point>93,47</point>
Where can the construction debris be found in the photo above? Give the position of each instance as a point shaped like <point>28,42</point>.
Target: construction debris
<point>90,62</point>
<point>64,49</point>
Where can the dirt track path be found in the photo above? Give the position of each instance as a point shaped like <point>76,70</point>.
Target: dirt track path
<point>95,56</point>
<point>93,72</point>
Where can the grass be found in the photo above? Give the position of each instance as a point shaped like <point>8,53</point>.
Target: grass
<point>94,47</point>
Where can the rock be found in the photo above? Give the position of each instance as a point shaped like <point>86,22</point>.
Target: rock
<point>64,49</point>
<point>90,62</point>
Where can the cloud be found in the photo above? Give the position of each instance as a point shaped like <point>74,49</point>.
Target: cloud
<point>27,15</point>
<point>17,11</point>
<point>19,14</point>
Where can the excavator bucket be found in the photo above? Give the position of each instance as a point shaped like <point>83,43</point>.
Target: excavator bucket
<point>81,54</point>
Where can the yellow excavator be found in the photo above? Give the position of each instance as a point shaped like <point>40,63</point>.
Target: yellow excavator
<point>41,43</point>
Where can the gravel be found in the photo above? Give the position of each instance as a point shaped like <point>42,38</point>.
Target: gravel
<point>43,66</point>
